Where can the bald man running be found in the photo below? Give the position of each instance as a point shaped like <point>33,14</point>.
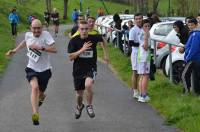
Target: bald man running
<point>39,44</point>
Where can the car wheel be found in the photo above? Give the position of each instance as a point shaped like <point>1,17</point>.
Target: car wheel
<point>177,71</point>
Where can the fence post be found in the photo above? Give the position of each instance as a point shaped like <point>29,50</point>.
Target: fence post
<point>170,63</point>
<point>117,46</point>
<point>124,46</point>
<point>154,51</point>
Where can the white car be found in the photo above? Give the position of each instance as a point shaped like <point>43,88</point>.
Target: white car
<point>178,65</point>
<point>162,31</point>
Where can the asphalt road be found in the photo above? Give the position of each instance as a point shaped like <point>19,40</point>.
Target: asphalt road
<point>115,110</point>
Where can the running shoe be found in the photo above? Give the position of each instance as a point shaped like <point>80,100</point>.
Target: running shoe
<point>90,111</point>
<point>35,119</point>
<point>78,111</point>
<point>41,100</point>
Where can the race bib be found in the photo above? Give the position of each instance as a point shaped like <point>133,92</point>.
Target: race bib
<point>34,54</point>
<point>86,54</point>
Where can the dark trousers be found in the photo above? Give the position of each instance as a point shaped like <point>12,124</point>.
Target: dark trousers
<point>14,29</point>
<point>191,68</point>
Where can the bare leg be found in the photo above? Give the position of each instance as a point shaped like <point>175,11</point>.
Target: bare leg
<point>34,94</point>
<point>88,86</point>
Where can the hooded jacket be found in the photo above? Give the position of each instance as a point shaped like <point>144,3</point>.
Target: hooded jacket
<point>192,48</point>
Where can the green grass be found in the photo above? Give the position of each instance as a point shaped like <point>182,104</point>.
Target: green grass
<point>180,110</point>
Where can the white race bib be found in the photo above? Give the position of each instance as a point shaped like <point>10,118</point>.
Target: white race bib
<point>86,54</point>
<point>34,54</point>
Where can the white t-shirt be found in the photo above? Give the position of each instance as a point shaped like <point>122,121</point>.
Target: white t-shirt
<point>133,35</point>
<point>43,63</point>
<point>143,55</point>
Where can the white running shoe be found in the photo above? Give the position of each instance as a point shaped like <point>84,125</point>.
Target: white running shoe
<point>147,98</point>
<point>141,99</point>
<point>135,94</point>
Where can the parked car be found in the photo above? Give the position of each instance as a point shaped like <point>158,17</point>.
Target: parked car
<point>178,65</point>
<point>163,31</point>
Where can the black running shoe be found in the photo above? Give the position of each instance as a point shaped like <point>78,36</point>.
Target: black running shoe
<point>90,111</point>
<point>79,111</point>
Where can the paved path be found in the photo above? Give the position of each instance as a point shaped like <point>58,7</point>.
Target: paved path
<point>115,110</point>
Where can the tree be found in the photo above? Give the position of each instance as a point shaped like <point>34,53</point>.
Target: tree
<point>48,5</point>
<point>155,5</point>
<point>65,9</point>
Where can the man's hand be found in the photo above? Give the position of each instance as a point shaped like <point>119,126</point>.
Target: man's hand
<point>10,53</point>
<point>86,46</point>
<point>145,46</point>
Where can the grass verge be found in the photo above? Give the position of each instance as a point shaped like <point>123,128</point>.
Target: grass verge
<point>178,109</point>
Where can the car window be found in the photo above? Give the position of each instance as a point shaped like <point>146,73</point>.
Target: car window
<point>163,29</point>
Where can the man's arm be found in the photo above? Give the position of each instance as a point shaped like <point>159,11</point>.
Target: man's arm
<point>13,51</point>
<point>74,55</point>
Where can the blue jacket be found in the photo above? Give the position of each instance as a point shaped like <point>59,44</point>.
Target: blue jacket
<point>192,48</point>
<point>74,15</point>
<point>13,18</point>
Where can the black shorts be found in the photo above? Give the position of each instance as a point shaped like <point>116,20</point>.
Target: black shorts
<point>79,80</point>
<point>43,77</point>
<point>56,23</point>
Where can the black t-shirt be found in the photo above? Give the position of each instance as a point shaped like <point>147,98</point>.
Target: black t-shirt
<point>74,30</point>
<point>55,17</point>
<point>47,15</point>
<point>87,60</point>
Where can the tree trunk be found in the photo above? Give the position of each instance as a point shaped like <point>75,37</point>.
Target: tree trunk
<point>65,9</point>
<point>48,5</point>
<point>155,5</point>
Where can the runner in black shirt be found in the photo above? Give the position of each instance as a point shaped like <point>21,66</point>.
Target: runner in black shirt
<point>47,16</point>
<point>82,49</point>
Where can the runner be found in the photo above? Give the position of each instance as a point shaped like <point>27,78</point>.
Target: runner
<point>55,19</point>
<point>38,71</point>
<point>134,42</point>
<point>82,50</point>
<point>91,30</point>
<point>75,27</point>
<point>47,16</point>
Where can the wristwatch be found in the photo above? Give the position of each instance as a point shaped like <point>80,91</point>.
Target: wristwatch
<point>43,48</point>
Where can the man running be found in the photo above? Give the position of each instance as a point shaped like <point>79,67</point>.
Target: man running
<point>82,50</point>
<point>55,19</point>
<point>47,16</point>
<point>38,71</point>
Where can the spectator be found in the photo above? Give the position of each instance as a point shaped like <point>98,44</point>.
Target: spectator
<point>14,20</point>
<point>100,12</point>
<point>118,22</point>
<point>75,16</point>
<point>192,58</point>
<point>187,19</point>
<point>144,60</point>
<point>182,31</point>
<point>155,18</point>
<point>198,19</point>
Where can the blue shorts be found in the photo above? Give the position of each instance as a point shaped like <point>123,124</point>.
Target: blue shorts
<point>43,77</point>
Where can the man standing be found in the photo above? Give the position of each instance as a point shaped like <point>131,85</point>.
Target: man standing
<point>14,20</point>
<point>38,71</point>
<point>134,42</point>
<point>82,50</point>
<point>192,57</point>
